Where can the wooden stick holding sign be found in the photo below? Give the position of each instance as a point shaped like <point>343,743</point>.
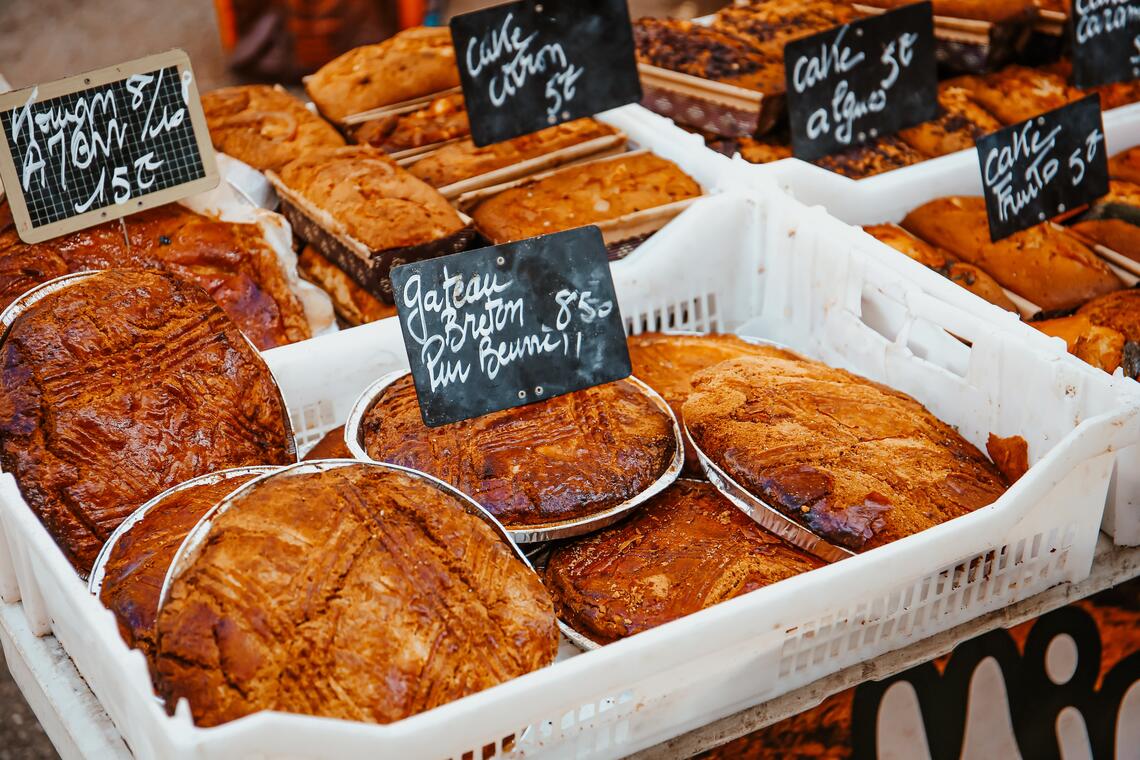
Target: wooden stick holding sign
<point>509,325</point>
<point>101,145</point>
<point>529,65</point>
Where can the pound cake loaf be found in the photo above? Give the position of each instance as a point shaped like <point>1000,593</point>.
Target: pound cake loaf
<point>232,262</point>
<point>700,51</point>
<point>960,123</point>
<point>121,385</point>
<point>1017,93</point>
<point>462,160</point>
<point>998,12</point>
<point>685,549</point>
<point>768,26</point>
<point>444,118</point>
<point>353,304</point>
<point>562,459</point>
<point>388,600</point>
<point>1125,166</point>
<point>264,126</point>
<point>667,362</point>
<point>1043,264</point>
<point>1111,220</point>
<point>883,154</point>
<point>135,567</point>
<point>855,462</point>
<point>415,62</point>
<point>368,196</point>
<point>580,195</point>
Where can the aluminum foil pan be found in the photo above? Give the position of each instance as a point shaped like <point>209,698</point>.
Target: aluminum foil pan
<point>192,547</point>
<point>41,291</point>
<point>546,531</point>
<point>766,516</point>
<point>98,572</point>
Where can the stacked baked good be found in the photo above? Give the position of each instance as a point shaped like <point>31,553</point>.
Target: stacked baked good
<point>394,597</point>
<point>120,385</point>
<point>442,119</point>
<point>233,262</point>
<point>562,460</point>
<point>582,194</point>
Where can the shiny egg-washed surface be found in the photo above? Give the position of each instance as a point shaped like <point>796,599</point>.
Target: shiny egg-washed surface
<point>561,459</point>
<point>685,549</point>
<point>855,462</point>
<point>137,564</point>
<point>121,385</point>
<point>357,593</point>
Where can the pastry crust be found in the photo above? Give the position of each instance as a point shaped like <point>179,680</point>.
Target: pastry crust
<point>857,463</point>
<point>386,601</point>
<point>232,262</point>
<point>264,126</point>
<point>667,363</point>
<point>1043,264</point>
<point>562,459</point>
<point>353,304</point>
<point>685,549</point>
<point>376,201</point>
<point>136,566</point>
<point>120,386</point>
<point>960,123</point>
<point>416,62</point>
<point>576,196</point>
<point>444,118</point>
<point>462,160</point>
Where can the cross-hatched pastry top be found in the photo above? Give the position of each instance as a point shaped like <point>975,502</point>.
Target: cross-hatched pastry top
<point>685,549</point>
<point>855,462</point>
<point>357,593</point>
<point>120,386</point>
<point>565,458</point>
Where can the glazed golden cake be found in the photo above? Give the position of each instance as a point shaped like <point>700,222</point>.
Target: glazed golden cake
<point>120,386</point>
<point>565,458</point>
<point>231,261</point>
<point>264,126</point>
<point>855,462</point>
<point>136,566</point>
<point>667,363</point>
<point>685,549</point>
<point>388,600</point>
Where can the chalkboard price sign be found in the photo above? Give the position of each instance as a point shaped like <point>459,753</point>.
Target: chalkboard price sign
<point>509,325</point>
<point>1043,166</point>
<point>860,81</point>
<point>101,145</point>
<point>529,65</point>
<point>1105,40</point>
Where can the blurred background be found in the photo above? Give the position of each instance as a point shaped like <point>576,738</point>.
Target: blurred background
<point>229,41</point>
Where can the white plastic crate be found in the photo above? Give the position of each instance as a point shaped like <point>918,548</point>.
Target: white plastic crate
<point>760,263</point>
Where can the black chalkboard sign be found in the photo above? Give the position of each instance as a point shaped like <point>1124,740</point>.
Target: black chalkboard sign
<point>509,325</point>
<point>1043,166</point>
<point>529,65</point>
<point>1105,39</point>
<point>101,145</point>
<point>860,81</point>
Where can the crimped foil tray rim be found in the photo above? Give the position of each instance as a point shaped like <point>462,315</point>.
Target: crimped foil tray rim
<point>540,553</point>
<point>193,544</point>
<point>767,517</point>
<point>33,295</point>
<point>95,581</point>
<point>544,531</point>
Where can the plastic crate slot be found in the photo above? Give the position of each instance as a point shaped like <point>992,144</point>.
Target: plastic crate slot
<point>1035,552</point>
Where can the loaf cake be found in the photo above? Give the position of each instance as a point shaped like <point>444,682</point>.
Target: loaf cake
<point>761,151</point>
<point>264,126</point>
<point>576,196</point>
<point>388,600</point>
<point>231,261</point>
<point>1125,166</point>
<point>883,154</point>
<point>135,567</point>
<point>1017,93</point>
<point>999,12</point>
<point>353,304</point>
<point>968,276</point>
<point>463,160</point>
<point>700,51</point>
<point>120,386</point>
<point>855,462</point>
<point>960,123</point>
<point>1102,347</point>
<point>444,118</point>
<point>331,446</point>
<point>562,459</point>
<point>1043,264</point>
<point>685,549</point>
<point>667,362</point>
<point>1111,221</point>
<point>414,63</point>
<point>370,198</point>
<point>768,26</point>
